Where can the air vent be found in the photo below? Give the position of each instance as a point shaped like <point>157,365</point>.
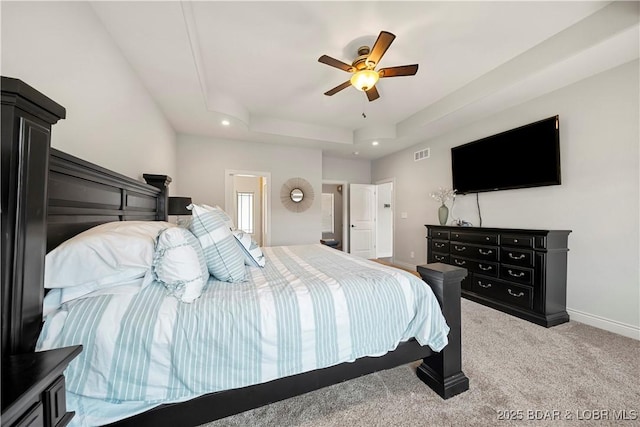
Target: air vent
<point>421,155</point>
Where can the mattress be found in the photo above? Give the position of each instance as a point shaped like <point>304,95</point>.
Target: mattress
<point>310,307</point>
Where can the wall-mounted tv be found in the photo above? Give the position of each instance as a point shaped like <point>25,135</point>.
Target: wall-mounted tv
<point>527,156</point>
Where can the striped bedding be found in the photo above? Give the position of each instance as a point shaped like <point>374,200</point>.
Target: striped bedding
<point>310,307</point>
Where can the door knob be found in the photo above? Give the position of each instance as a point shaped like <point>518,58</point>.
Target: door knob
<point>352,226</point>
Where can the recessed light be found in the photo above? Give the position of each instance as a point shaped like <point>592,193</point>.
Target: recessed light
<point>226,123</point>
<point>375,143</point>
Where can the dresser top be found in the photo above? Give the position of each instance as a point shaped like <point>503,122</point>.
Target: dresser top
<point>495,230</point>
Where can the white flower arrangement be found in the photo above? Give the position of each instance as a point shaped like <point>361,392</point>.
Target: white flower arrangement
<point>443,195</point>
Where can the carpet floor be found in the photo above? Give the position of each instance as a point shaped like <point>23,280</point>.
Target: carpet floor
<point>519,373</point>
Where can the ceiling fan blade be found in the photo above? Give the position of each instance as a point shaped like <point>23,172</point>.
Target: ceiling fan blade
<point>380,46</point>
<point>338,88</point>
<point>335,63</point>
<point>403,70</point>
<point>372,94</point>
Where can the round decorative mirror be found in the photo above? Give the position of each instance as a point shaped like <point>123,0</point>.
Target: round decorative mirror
<point>297,195</point>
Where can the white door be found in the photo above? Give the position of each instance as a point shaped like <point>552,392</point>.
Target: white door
<point>362,225</point>
<point>384,220</point>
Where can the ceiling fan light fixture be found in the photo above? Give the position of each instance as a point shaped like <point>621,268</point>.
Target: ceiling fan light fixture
<point>365,79</point>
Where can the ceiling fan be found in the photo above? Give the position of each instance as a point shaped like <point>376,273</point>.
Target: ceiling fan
<point>364,76</point>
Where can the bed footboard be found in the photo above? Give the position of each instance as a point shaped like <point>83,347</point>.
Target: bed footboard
<point>443,371</point>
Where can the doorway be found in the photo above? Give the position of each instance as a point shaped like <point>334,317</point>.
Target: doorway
<point>247,201</point>
<point>340,191</point>
<point>332,218</point>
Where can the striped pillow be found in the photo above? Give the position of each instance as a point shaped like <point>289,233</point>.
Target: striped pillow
<point>252,253</point>
<point>224,258</point>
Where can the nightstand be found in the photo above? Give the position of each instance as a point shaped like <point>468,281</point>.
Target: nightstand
<point>33,388</point>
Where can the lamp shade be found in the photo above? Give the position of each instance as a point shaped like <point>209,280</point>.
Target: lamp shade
<point>365,79</point>
<point>178,206</point>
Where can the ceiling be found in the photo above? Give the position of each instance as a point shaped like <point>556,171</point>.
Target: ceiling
<point>256,65</point>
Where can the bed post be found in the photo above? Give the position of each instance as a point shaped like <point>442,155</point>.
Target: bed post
<point>443,371</point>
<point>162,182</point>
<point>27,118</point>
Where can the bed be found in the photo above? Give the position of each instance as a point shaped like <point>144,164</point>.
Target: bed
<point>79,195</point>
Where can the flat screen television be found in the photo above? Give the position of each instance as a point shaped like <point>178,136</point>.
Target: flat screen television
<point>527,156</point>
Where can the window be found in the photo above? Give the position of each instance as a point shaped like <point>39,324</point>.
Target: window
<point>327,212</point>
<point>245,211</point>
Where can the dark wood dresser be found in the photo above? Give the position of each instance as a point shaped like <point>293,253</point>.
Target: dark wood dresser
<point>33,388</point>
<point>520,272</point>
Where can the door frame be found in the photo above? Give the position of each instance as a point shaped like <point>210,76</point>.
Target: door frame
<point>345,210</point>
<point>266,213</point>
<point>391,180</point>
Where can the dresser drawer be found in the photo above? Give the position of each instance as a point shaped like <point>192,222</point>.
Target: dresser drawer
<point>486,253</point>
<point>55,402</point>
<point>516,274</point>
<point>33,418</point>
<point>440,234</point>
<point>514,294</point>
<point>486,238</point>
<point>440,246</point>
<point>519,241</point>
<point>520,257</point>
<point>483,267</point>
<point>440,257</point>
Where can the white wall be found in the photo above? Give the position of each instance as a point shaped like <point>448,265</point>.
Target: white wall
<point>63,51</point>
<point>598,199</point>
<point>201,167</point>
<point>353,171</point>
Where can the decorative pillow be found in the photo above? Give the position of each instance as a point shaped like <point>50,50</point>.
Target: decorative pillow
<point>225,216</point>
<point>252,253</point>
<point>224,258</point>
<point>179,264</point>
<point>105,255</point>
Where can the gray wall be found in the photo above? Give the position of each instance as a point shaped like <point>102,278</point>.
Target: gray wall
<point>202,163</point>
<point>598,198</point>
<point>63,51</point>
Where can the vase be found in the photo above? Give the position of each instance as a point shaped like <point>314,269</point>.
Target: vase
<point>443,214</point>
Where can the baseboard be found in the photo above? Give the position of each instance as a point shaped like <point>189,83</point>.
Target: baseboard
<point>614,326</point>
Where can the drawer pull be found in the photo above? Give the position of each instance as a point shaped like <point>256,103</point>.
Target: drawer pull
<point>487,268</point>
<point>486,238</point>
<point>512,256</point>
<point>439,258</point>
<point>519,274</point>
<point>515,240</point>
<point>488,285</point>
<point>439,245</point>
<point>460,248</point>
<point>521,294</point>
<point>489,252</point>
<point>459,262</point>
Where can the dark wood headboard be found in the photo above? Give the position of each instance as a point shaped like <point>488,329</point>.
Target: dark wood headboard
<point>48,197</point>
<point>82,195</point>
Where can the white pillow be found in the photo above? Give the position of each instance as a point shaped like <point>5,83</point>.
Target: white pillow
<point>252,253</point>
<point>225,260</point>
<point>105,255</point>
<point>58,296</point>
<point>179,264</point>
